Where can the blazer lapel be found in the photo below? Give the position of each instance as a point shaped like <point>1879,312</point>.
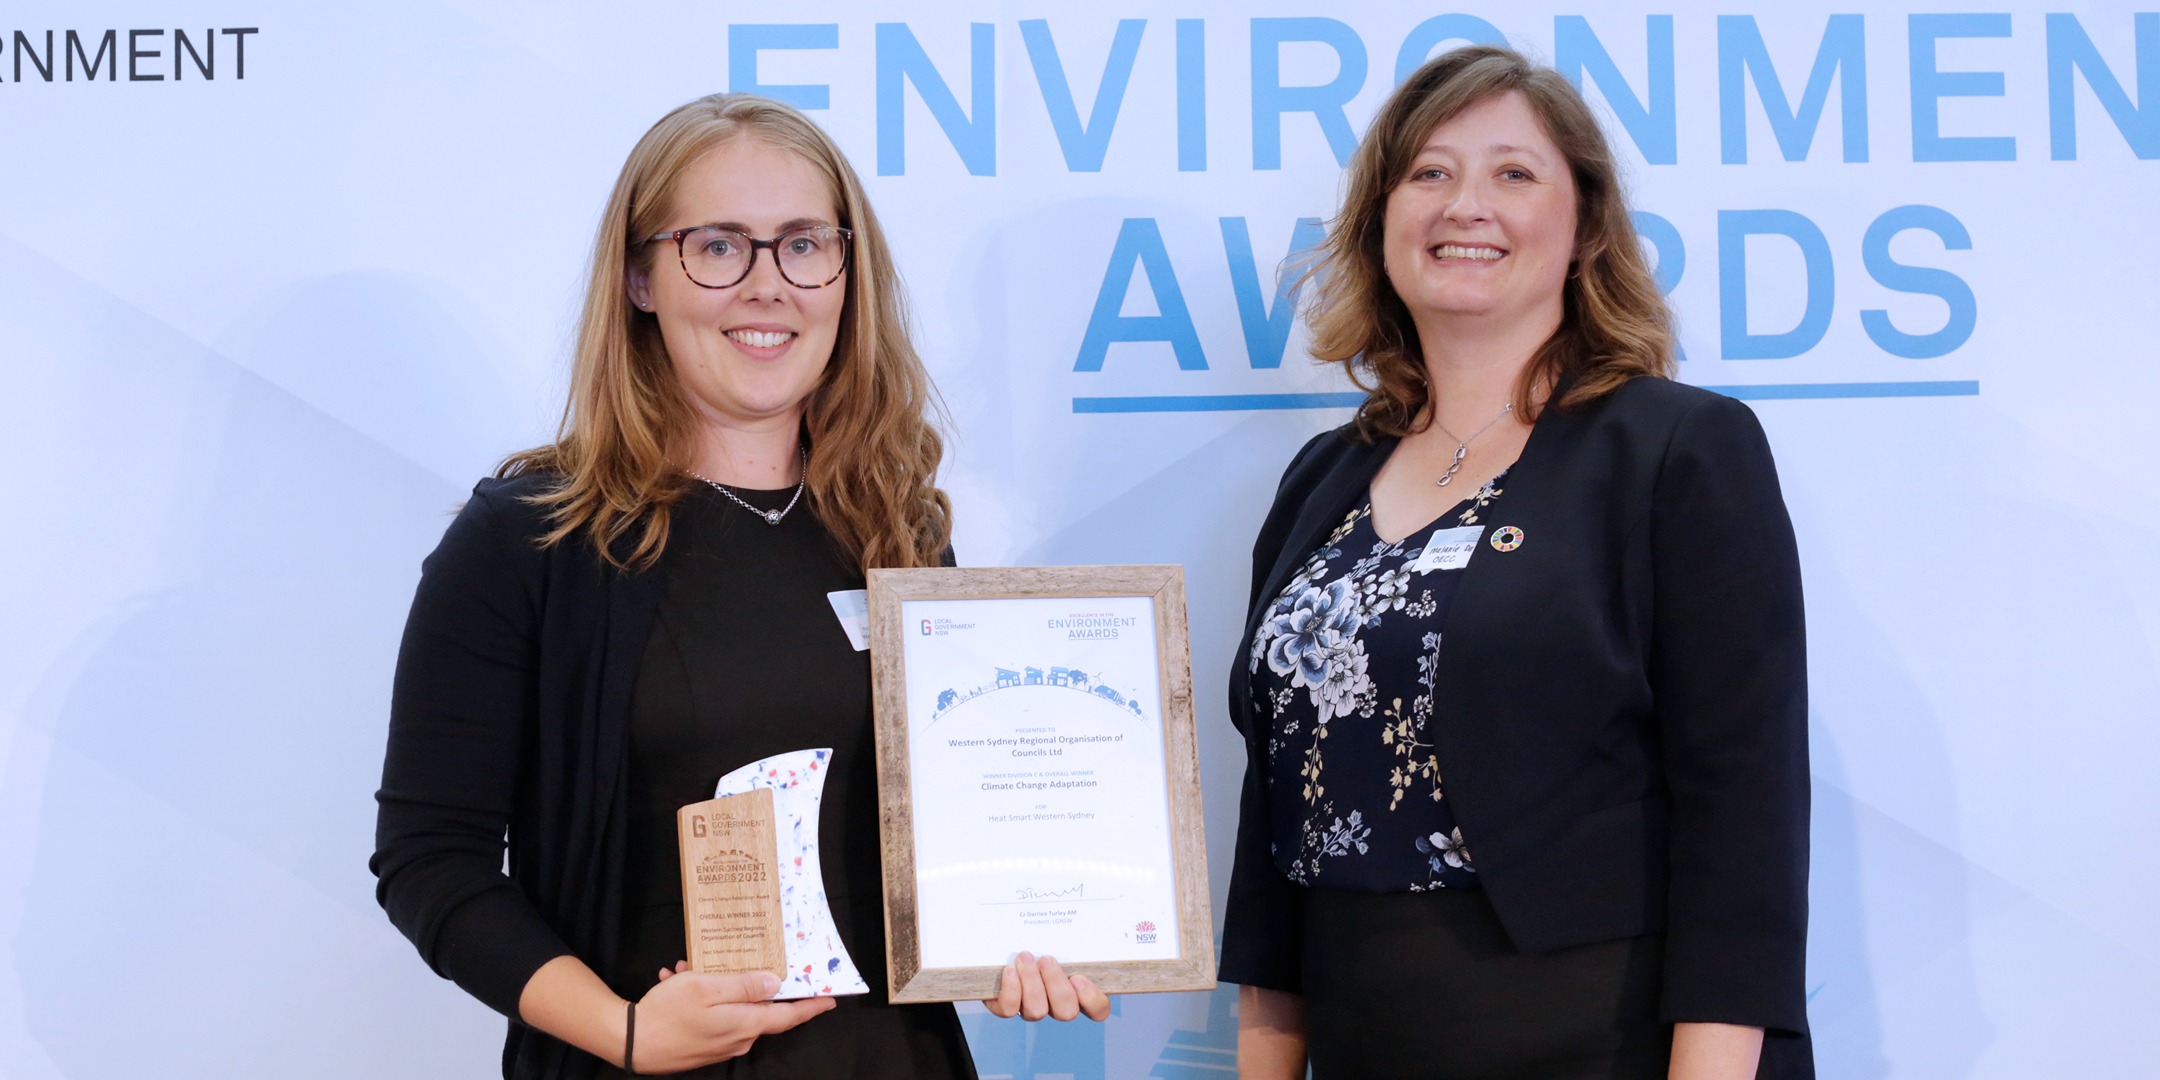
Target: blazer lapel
<point>1530,499</point>
<point>1541,500</point>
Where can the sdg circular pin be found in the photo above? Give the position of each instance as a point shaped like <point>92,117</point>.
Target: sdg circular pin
<point>1506,538</point>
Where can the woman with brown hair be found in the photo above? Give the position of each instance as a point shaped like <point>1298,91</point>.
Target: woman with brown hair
<point>1523,683</point>
<point>621,617</point>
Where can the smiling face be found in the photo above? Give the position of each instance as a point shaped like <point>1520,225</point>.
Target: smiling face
<point>748,354</point>
<point>1483,222</point>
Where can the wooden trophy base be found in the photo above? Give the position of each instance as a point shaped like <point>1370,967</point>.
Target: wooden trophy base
<point>731,885</point>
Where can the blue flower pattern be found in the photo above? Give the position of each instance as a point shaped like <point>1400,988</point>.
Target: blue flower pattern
<point>1341,637</point>
<point>1315,643</point>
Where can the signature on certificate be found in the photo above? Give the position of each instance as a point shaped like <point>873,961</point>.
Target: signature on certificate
<point>1070,892</point>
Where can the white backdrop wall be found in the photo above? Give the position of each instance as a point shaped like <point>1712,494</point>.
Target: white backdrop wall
<point>268,306</point>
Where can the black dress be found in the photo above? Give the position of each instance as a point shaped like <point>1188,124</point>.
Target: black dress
<point>747,660</point>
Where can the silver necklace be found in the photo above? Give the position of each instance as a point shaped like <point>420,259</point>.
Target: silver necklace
<point>772,517</point>
<point>1462,446</point>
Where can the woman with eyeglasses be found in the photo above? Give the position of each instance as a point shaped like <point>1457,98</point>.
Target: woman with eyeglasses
<point>623,616</point>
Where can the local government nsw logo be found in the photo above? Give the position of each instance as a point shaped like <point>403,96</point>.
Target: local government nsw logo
<point>926,628</point>
<point>1144,932</point>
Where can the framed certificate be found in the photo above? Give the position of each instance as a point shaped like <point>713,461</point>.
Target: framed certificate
<point>1037,782</point>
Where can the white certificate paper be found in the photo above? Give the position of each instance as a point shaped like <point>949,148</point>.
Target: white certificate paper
<point>1041,801</point>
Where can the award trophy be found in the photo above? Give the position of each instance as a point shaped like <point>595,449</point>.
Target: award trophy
<point>753,890</point>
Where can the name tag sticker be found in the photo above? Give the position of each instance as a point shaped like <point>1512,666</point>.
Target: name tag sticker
<point>1450,549</point>
<point>853,608</point>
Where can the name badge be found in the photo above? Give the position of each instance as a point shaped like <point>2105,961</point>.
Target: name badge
<point>1450,549</point>
<point>852,606</point>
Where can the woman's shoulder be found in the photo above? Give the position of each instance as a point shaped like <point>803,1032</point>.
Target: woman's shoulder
<point>1663,425</point>
<point>508,516</point>
<point>1656,395</point>
<point>1667,409</point>
<point>512,504</point>
<point>518,489</point>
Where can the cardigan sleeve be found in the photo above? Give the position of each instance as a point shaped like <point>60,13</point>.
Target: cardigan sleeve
<point>461,710</point>
<point>1729,677</point>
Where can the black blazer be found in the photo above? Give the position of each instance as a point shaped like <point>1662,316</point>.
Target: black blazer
<point>1621,703</point>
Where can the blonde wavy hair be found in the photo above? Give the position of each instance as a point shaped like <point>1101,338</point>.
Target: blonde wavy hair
<point>616,461</point>
<point>1615,324</point>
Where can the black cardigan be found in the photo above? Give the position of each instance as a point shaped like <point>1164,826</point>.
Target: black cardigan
<point>511,703</point>
<point>510,721</point>
<point>1621,702</point>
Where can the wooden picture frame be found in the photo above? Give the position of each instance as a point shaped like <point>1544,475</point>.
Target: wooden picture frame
<point>1009,597</point>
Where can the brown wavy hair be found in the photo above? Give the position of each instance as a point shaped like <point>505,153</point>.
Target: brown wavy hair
<point>617,455</point>
<point>1615,323</point>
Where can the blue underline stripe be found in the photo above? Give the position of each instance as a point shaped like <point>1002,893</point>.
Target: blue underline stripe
<point>1171,403</point>
<point>1939,388</point>
<point>1217,402</point>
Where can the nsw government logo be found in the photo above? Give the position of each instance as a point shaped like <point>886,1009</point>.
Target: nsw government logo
<point>1144,932</point>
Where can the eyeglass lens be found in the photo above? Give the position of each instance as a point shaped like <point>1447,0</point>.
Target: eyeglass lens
<point>809,257</point>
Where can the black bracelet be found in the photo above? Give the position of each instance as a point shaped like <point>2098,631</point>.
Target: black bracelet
<point>629,1040</point>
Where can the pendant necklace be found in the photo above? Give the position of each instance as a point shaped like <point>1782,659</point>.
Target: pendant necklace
<point>1462,446</point>
<point>772,517</point>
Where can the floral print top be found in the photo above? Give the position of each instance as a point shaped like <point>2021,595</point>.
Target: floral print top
<point>1343,666</point>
